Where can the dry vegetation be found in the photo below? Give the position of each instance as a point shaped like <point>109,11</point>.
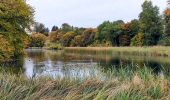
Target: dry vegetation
<point>137,51</point>
<point>123,84</point>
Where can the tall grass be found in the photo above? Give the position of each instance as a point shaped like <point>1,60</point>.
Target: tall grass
<point>138,51</point>
<point>123,84</point>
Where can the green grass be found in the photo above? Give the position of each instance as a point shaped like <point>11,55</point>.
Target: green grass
<point>123,84</point>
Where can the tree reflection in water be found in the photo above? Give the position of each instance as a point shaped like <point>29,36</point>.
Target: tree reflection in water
<point>81,64</point>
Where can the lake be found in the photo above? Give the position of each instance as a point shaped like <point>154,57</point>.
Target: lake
<point>72,63</point>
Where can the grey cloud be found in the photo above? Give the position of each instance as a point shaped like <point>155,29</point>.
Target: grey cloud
<point>87,13</point>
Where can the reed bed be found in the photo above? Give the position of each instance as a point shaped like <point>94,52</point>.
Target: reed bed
<point>138,51</point>
<point>123,84</point>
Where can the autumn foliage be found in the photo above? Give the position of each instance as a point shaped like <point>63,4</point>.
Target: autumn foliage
<point>37,40</point>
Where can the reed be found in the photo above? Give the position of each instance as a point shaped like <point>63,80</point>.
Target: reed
<point>123,84</point>
<point>140,51</point>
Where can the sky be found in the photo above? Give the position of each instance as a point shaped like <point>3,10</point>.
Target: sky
<point>87,13</point>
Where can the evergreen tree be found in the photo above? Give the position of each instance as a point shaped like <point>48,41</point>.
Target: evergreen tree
<point>54,28</point>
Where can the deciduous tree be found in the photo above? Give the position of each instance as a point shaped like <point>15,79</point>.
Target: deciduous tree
<point>150,23</point>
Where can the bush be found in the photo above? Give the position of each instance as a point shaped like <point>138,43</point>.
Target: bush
<point>138,40</point>
<point>104,43</point>
<point>67,38</point>
<point>124,40</point>
<point>164,41</point>
<point>53,46</point>
<point>37,40</point>
<point>55,36</point>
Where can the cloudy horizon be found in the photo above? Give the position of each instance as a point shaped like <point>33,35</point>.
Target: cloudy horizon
<point>87,13</point>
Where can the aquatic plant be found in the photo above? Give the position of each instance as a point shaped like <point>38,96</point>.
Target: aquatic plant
<point>136,85</point>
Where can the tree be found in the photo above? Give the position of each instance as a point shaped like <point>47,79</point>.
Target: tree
<point>37,40</point>
<point>124,34</point>
<point>67,38</point>
<point>15,17</point>
<point>40,28</point>
<point>88,36</point>
<point>165,40</point>
<point>167,20</point>
<point>150,23</point>
<point>78,41</point>
<point>134,27</point>
<point>54,28</point>
<point>109,32</point>
<point>56,36</point>
<point>138,40</point>
<point>6,49</point>
<point>79,30</point>
<point>66,28</point>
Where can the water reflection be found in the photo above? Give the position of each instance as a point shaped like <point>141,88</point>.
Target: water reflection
<point>15,67</point>
<point>82,64</point>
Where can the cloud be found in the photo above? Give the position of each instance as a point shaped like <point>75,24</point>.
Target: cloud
<point>87,13</point>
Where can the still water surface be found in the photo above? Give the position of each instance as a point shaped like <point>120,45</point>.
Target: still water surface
<point>38,62</point>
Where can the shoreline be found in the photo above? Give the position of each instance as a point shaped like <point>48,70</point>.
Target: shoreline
<point>138,51</point>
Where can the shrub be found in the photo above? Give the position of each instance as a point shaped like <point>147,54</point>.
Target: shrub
<point>104,43</point>
<point>164,41</point>
<point>37,40</point>
<point>138,40</point>
<point>67,38</point>
<point>78,41</point>
<point>53,46</point>
<point>55,36</point>
<point>124,40</point>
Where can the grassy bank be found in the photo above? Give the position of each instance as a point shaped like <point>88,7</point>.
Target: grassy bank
<point>123,84</point>
<point>138,51</point>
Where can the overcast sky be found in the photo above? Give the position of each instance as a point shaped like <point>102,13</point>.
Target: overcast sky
<point>87,13</point>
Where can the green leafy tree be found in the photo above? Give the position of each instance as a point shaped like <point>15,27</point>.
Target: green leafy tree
<point>150,23</point>
<point>66,28</point>
<point>134,27</point>
<point>15,17</point>
<point>109,32</point>
<point>78,30</point>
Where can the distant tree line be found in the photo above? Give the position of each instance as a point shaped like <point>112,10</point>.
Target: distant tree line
<point>150,29</point>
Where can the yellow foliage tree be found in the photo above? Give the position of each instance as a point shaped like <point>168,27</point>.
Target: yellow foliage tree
<point>6,49</point>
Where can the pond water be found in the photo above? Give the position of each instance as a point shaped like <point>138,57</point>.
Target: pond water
<point>38,62</point>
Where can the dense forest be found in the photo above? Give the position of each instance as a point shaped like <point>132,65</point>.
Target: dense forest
<point>16,18</point>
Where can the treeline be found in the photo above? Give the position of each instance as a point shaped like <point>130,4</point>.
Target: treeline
<point>16,17</point>
<point>150,29</point>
